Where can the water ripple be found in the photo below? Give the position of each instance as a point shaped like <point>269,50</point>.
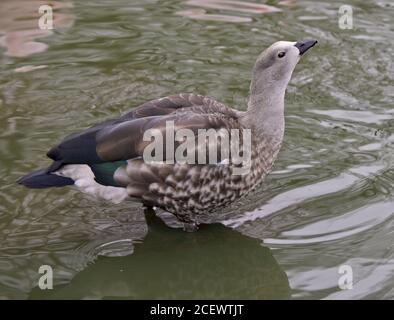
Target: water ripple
<point>307,193</point>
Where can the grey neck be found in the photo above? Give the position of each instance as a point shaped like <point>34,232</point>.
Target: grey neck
<point>265,112</point>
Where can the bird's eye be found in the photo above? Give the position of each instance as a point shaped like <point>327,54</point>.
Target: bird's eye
<point>281,54</point>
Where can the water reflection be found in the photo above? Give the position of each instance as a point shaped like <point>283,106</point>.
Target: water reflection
<point>240,7</point>
<point>201,14</point>
<point>19,31</point>
<point>65,237</point>
<point>214,263</point>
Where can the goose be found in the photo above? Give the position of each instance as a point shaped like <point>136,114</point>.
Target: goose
<point>108,159</point>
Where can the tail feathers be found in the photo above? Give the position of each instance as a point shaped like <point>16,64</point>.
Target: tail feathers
<point>43,179</point>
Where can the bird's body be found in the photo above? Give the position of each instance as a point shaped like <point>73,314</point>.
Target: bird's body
<point>114,150</point>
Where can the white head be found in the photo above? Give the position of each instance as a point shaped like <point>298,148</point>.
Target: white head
<point>274,67</point>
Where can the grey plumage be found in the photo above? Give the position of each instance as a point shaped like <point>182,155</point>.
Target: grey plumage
<point>114,148</point>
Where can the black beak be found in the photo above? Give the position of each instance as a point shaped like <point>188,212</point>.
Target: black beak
<point>304,46</point>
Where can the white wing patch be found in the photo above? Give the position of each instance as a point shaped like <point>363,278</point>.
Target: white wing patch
<point>84,180</point>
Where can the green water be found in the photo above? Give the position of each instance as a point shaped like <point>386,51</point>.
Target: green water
<point>329,201</point>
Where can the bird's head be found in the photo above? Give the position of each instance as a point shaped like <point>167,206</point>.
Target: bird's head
<point>275,65</point>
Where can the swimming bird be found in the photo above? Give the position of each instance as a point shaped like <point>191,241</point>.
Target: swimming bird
<point>108,159</point>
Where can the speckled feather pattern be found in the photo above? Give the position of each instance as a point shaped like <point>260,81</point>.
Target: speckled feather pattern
<point>189,190</point>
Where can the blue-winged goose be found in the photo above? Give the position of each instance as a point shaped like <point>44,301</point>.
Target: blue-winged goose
<point>107,159</point>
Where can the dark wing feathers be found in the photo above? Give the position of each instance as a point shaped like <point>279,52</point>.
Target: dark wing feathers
<point>77,148</point>
<point>126,140</point>
<point>104,172</point>
<point>122,138</point>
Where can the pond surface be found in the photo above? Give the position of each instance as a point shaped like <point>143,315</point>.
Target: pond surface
<point>328,203</point>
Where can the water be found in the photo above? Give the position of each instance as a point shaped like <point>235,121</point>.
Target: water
<point>329,201</point>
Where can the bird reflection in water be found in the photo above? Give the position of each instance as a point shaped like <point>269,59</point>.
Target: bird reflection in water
<point>214,263</point>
